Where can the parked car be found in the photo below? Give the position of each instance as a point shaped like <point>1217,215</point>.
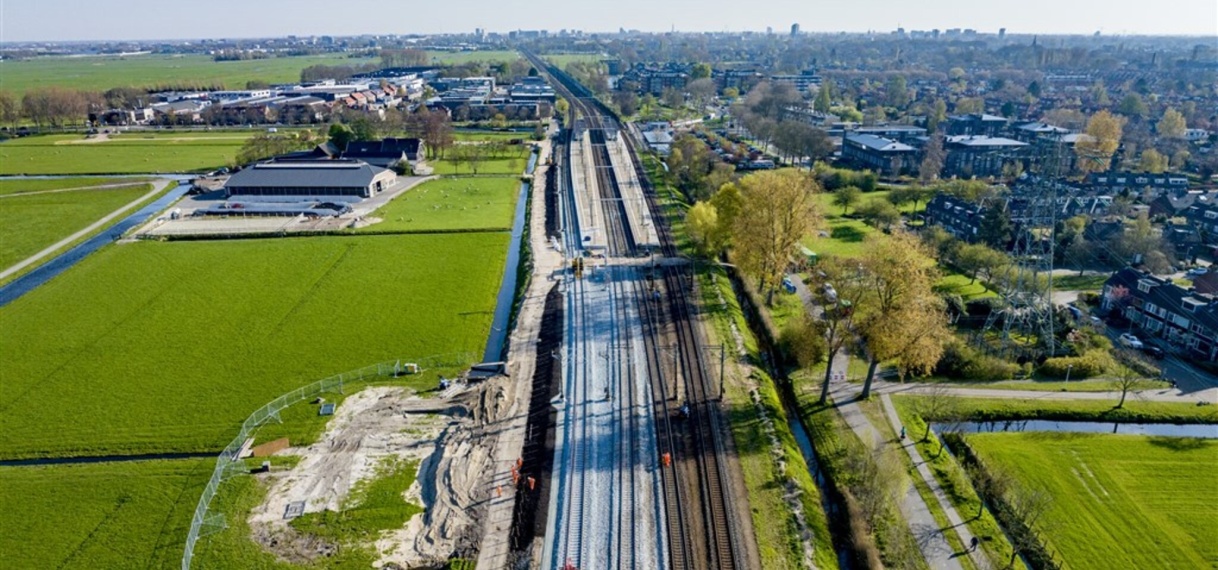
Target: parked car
<point>1131,341</point>
<point>830,293</point>
<point>788,284</point>
<point>1198,271</point>
<point>1154,352</point>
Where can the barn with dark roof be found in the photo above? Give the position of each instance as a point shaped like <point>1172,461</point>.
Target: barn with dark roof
<point>329,178</point>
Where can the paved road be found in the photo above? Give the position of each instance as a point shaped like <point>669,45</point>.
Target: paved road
<point>157,187</point>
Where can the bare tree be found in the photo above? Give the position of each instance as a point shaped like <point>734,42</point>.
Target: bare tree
<point>936,404</point>
<point>1130,372</point>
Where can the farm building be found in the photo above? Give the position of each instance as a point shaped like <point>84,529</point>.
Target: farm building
<point>388,152</point>
<point>348,178</point>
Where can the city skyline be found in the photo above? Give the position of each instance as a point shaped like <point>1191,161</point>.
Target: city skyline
<point>60,21</point>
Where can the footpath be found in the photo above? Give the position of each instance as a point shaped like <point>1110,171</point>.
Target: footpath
<point>935,549</point>
<point>522,353</point>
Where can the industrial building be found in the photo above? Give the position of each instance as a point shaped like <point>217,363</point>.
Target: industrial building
<point>330,178</point>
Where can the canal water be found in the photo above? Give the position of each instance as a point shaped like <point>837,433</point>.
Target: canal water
<point>62,262</point>
<point>496,343</point>
<point>1207,431</point>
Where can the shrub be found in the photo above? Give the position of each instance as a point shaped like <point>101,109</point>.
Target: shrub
<point>963,362</point>
<point>1093,363</point>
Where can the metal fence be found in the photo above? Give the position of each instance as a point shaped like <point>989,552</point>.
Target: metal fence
<point>228,464</point>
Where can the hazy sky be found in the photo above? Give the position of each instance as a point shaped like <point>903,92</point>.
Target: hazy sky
<point>29,20</point>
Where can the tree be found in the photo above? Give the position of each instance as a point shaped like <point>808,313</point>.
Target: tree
<point>896,92</point>
<point>627,102</point>
<point>847,197</point>
<point>340,134</point>
<point>561,106</point>
<point>702,221</point>
<point>1128,375</point>
<point>1152,161</point>
<point>839,310</point>
<point>700,71</point>
<point>267,145</point>
<point>824,97</point>
<point>731,93</point>
<point>672,98</point>
<point>879,214</point>
<point>1172,125</point>
<point>1103,138</point>
<point>701,91</point>
<point>937,116</point>
<point>932,159</point>
<point>1066,118</point>
<point>906,320</point>
<point>995,227</point>
<point>936,404</point>
<point>975,258</point>
<point>973,105</point>
<point>1132,106</point>
<point>10,109</point>
<point>1029,507</point>
<point>777,210</point>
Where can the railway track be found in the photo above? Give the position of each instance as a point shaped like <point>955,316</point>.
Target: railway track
<point>697,499</point>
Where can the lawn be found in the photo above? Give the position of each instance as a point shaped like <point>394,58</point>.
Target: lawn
<point>30,223</point>
<point>128,154</point>
<point>494,166</point>
<point>1074,282</point>
<point>962,285</point>
<point>105,515</point>
<point>1119,501</point>
<point>482,203</point>
<point>102,73</point>
<point>162,347</point>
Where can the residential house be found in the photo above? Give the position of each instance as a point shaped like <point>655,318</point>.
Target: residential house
<point>1185,319</point>
<point>979,155</point>
<point>880,154</point>
<point>976,125</point>
<point>1143,184</point>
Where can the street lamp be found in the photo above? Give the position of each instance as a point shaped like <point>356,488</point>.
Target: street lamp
<point>1068,368</point>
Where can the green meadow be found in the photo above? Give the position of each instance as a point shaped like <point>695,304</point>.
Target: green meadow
<point>167,347</point>
<point>131,514</point>
<point>1119,501</point>
<point>480,203</point>
<point>30,223</point>
<point>184,151</point>
<point>102,73</point>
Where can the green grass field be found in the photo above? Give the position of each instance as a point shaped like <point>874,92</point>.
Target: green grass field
<point>494,166</point>
<point>451,203</point>
<point>108,515</point>
<point>465,135</point>
<point>1119,501</point>
<point>102,73</point>
<point>30,223</point>
<point>562,59</point>
<point>126,154</point>
<point>459,57</point>
<point>27,185</point>
<point>160,347</point>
